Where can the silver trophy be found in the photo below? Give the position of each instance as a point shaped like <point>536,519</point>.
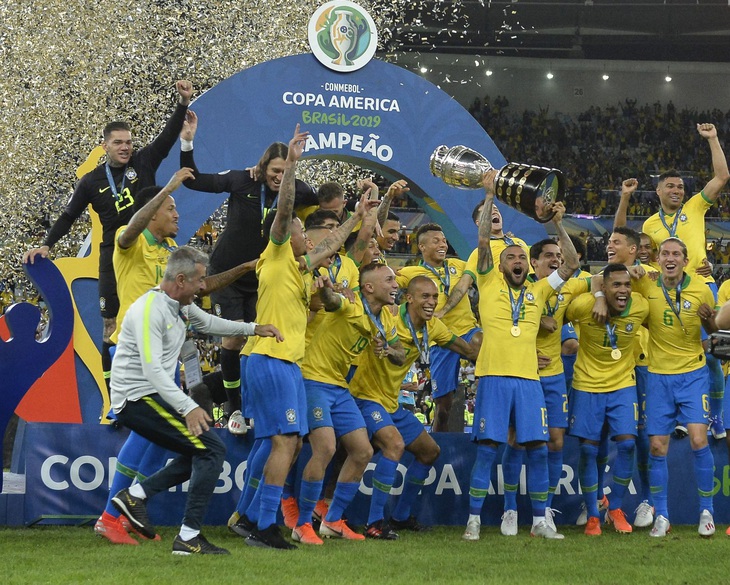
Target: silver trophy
<point>527,188</point>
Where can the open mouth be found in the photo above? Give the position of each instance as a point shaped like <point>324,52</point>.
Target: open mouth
<point>518,271</point>
<point>622,300</point>
<point>610,254</point>
<point>428,311</point>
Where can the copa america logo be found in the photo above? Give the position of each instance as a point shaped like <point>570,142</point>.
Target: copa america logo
<point>342,36</point>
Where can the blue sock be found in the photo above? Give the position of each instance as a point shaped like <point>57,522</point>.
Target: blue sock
<point>659,479</point>
<point>705,472</point>
<point>717,385</point>
<point>345,492</point>
<point>537,478</point>
<point>480,475</point>
<point>642,463</point>
<point>588,475</point>
<point>270,498</point>
<point>383,478</point>
<point>601,462</point>
<point>290,481</point>
<point>154,459</point>
<point>128,460</point>
<point>412,484</point>
<point>248,504</point>
<point>623,471</point>
<point>308,496</point>
<point>555,472</point>
<point>511,468</point>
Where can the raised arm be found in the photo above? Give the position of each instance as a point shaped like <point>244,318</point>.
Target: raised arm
<point>485,260</point>
<point>367,229</point>
<point>457,293</point>
<point>719,162</point>
<point>281,228</point>
<point>627,188</point>
<point>571,263</point>
<point>395,190</point>
<point>221,280</point>
<point>141,219</point>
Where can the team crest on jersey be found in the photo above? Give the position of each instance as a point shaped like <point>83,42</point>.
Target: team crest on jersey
<point>345,282</point>
<point>291,416</point>
<point>317,413</point>
<point>377,417</point>
<point>686,304</point>
<point>452,269</point>
<point>629,327</point>
<point>683,217</point>
<point>131,174</point>
<point>482,425</point>
<point>530,297</point>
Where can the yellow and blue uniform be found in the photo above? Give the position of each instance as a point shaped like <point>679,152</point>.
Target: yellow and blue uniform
<point>344,334</point>
<point>273,376</point>
<point>138,269</point>
<point>376,383</point>
<point>603,386</point>
<point>460,320</point>
<point>678,380</point>
<point>552,377</point>
<point>509,388</point>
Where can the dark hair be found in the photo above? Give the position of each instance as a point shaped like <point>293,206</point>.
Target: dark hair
<point>145,196</point>
<point>275,150</point>
<point>269,221</point>
<point>318,217</point>
<point>536,249</point>
<point>427,227</point>
<point>475,212</point>
<point>392,217</point>
<point>611,268</point>
<point>631,235</point>
<point>112,126</point>
<point>329,191</point>
<point>668,174</point>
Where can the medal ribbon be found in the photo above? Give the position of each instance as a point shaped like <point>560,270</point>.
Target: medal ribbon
<point>672,230</point>
<point>446,280</point>
<point>337,263</point>
<point>516,305</point>
<point>422,350</point>
<point>676,306</point>
<point>374,318</point>
<point>611,332</point>
<point>112,184</point>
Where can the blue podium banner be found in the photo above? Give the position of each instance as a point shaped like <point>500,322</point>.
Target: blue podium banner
<point>69,467</point>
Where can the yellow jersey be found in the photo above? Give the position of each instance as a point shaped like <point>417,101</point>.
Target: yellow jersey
<point>497,246</point>
<point>344,334</point>
<point>503,353</point>
<point>690,228</point>
<point>380,380</point>
<point>283,301</point>
<point>674,339</point>
<point>597,368</point>
<point>460,319</point>
<point>549,343</point>
<point>138,269</point>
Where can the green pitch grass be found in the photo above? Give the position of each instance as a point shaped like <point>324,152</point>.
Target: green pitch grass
<point>75,555</point>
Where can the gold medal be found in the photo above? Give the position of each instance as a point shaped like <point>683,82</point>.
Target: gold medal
<point>616,354</point>
<point>515,331</point>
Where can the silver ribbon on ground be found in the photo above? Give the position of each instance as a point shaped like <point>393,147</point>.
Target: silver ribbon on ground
<point>527,188</point>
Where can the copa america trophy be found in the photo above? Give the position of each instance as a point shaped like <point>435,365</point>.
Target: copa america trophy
<point>527,188</point>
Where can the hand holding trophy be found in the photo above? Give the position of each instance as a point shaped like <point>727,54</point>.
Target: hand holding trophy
<point>529,189</point>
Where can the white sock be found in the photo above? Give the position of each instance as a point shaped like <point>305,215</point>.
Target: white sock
<point>138,491</point>
<point>475,517</point>
<point>187,533</point>
<point>537,519</point>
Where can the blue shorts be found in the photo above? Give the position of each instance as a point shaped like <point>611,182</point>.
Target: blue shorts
<point>245,403</point>
<point>376,418</point>
<point>278,400</point>
<point>590,410</point>
<point>504,401</point>
<point>332,406</point>
<point>673,397</point>
<point>642,377</point>
<point>556,400</point>
<point>445,367</point>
